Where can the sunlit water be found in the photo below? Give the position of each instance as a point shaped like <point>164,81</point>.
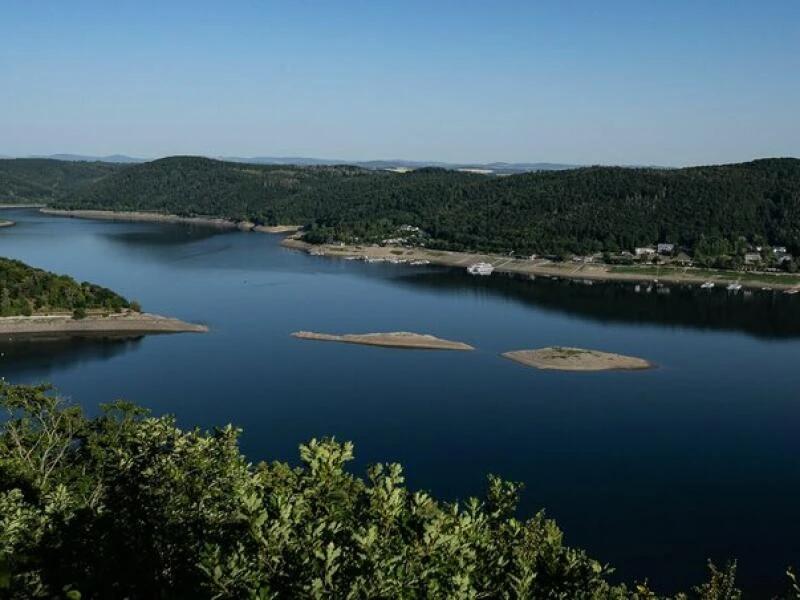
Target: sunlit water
<point>651,471</point>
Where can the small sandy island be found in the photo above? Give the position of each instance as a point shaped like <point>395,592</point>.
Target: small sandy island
<point>398,339</point>
<point>576,359</point>
<point>6,223</point>
<point>63,325</point>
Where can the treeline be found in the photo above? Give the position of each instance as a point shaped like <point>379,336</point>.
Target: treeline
<point>43,180</point>
<point>25,290</point>
<point>578,211</point>
<point>124,505</point>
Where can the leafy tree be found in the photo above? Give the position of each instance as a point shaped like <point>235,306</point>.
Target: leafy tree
<point>126,505</point>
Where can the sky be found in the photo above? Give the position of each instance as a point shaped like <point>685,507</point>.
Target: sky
<point>655,82</point>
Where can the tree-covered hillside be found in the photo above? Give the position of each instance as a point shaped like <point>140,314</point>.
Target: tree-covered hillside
<point>717,209</point>
<point>190,185</point>
<point>42,180</point>
<point>25,290</point>
<point>124,505</point>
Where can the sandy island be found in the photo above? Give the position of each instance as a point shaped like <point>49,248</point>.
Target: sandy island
<point>6,223</point>
<point>63,325</point>
<point>542,267</point>
<point>576,359</point>
<point>398,339</point>
<point>157,217</point>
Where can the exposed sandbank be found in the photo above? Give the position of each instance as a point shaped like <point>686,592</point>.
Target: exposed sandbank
<point>576,359</point>
<point>6,223</point>
<point>156,217</point>
<point>398,339</point>
<point>58,325</point>
<point>538,267</point>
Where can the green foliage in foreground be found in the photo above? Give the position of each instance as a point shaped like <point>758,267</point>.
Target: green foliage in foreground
<point>126,505</point>
<point>25,290</point>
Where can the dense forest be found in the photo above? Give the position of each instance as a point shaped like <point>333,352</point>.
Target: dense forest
<point>125,505</point>
<point>714,210</point>
<point>25,290</point>
<point>42,180</point>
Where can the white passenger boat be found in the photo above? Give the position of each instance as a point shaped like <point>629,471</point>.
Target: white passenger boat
<point>480,268</point>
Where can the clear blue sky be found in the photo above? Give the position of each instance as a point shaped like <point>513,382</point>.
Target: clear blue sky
<point>669,82</point>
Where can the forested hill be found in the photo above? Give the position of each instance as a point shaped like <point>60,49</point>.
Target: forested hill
<point>25,290</point>
<point>44,180</point>
<point>579,210</point>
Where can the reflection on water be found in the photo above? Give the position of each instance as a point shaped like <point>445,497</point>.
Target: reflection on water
<point>767,314</point>
<point>44,356</point>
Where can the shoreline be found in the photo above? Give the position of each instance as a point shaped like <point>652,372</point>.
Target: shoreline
<point>63,325</point>
<point>544,268</point>
<point>20,205</point>
<point>157,217</point>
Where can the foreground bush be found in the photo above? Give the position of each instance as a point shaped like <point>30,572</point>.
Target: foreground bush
<point>130,506</point>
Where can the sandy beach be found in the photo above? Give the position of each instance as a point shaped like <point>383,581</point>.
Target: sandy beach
<point>63,325</point>
<point>397,339</point>
<point>576,359</point>
<point>546,268</point>
<point>156,217</point>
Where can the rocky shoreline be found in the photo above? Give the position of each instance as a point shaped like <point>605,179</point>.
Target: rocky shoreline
<point>63,325</point>
<point>156,217</point>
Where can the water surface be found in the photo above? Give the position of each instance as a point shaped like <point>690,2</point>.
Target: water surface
<point>651,471</point>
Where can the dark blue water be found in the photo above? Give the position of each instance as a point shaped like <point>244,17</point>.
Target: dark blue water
<point>654,472</point>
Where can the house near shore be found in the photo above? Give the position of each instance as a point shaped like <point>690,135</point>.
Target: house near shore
<point>752,258</point>
<point>779,249</point>
<point>782,257</point>
<point>645,251</point>
<point>666,248</point>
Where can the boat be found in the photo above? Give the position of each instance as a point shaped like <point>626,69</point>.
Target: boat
<point>707,285</point>
<point>419,263</point>
<point>792,292</point>
<point>734,287</point>
<point>480,268</point>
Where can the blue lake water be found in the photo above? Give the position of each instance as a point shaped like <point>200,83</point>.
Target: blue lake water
<point>653,472</point>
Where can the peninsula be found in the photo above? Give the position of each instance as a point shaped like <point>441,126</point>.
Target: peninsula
<point>38,304</point>
<point>576,359</point>
<point>398,339</point>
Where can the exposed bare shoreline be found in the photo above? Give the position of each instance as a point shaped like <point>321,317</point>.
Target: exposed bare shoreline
<point>157,217</point>
<point>502,264</point>
<point>577,359</point>
<point>506,264</point>
<point>63,325</point>
<point>397,339</point>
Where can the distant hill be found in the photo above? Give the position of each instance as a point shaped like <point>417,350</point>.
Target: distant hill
<point>712,210</point>
<point>498,168</point>
<point>45,180</point>
<point>113,158</point>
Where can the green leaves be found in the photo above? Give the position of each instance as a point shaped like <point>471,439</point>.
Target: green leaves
<point>125,505</point>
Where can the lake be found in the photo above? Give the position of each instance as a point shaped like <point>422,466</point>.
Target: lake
<point>653,472</point>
